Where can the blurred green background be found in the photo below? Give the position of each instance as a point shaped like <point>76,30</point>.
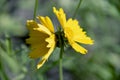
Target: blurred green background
<point>101,20</point>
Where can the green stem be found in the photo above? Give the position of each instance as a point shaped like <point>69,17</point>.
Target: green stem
<point>74,15</point>
<point>35,9</point>
<point>2,70</point>
<point>60,63</point>
<point>8,45</point>
<point>61,45</point>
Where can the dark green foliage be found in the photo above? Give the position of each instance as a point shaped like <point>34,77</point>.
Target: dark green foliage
<point>101,20</point>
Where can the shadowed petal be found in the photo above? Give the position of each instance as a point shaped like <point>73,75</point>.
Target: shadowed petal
<point>46,56</point>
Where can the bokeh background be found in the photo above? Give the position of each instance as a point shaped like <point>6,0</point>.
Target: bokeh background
<point>101,20</point>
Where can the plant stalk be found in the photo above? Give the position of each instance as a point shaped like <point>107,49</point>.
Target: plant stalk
<point>35,9</point>
<point>60,63</point>
<point>74,15</point>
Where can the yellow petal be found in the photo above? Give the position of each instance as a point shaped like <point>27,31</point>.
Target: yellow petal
<point>32,25</point>
<point>46,56</point>
<point>36,37</point>
<point>81,37</point>
<point>84,40</point>
<point>38,44</point>
<point>78,48</point>
<point>40,64</point>
<point>38,52</point>
<point>51,40</point>
<point>68,33</point>
<point>77,32</point>
<point>46,21</point>
<point>60,15</point>
<point>71,27</point>
<point>43,29</point>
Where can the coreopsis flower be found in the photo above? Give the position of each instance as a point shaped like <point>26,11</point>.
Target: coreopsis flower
<point>72,31</point>
<point>42,39</point>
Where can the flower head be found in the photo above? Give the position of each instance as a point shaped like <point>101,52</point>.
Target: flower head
<point>73,32</point>
<point>42,39</point>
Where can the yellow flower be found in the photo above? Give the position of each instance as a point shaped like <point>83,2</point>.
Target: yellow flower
<point>73,32</point>
<point>42,39</point>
